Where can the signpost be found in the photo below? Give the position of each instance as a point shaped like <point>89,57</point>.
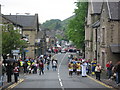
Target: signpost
<point>15,53</point>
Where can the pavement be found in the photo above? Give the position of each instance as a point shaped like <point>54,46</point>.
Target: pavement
<point>6,84</point>
<point>105,80</point>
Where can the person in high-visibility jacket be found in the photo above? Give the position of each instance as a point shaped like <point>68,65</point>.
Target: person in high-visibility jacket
<point>29,63</point>
<point>78,68</point>
<point>93,63</point>
<point>70,66</point>
<point>21,63</point>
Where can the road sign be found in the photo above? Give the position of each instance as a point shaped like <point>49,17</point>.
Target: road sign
<point>15,54</point>
<point>15,51</point>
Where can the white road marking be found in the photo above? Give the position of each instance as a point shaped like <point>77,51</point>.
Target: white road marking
<point>59,79</point>
<point>61,84</point>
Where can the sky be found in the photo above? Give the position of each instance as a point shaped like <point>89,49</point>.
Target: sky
<point>46,9</point>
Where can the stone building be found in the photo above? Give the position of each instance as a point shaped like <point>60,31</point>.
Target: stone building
<point>92,21</point>
<point>30,27</point>
<point>102,32</point>
<point>109,33</point>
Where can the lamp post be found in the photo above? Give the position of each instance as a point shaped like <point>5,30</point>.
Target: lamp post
<point>44,39</point>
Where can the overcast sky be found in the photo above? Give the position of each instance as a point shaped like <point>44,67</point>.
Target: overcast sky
<point>46,9</point>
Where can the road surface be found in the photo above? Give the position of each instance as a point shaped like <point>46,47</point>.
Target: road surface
<point>59,79</point>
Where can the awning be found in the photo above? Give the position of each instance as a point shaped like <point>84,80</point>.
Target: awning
<point>115,48</point>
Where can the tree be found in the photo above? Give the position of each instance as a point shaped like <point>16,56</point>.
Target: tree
<point>11,39</point>
<point>76,29</point>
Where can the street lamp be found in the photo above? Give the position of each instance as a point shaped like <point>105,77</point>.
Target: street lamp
<point>44,39</point>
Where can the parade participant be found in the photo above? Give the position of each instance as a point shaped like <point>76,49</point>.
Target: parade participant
<point>16,72</point>
<point>74,65</point>
<point>25,67</point>
<point>29,69</point>
<point>35,68</point>
<point>29,63</point>
<point>84,65</point>
<point>98,71</point>
<point>41,67</point>
<point>88,67</point>
<point>93,63</point>
<point>48,63</point>
<point>70,66</point>
<point>54,64</point>
<point>78,68</point>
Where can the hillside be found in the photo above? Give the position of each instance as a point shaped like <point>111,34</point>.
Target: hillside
<point>56,24</point>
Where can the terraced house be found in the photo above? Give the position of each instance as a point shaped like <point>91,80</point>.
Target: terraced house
<point>30,27</point>
<point>102,33</point>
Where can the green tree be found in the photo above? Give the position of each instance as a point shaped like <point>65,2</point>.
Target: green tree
<point>53,24</point>
<point>76,29</point>
<point>11,39</point>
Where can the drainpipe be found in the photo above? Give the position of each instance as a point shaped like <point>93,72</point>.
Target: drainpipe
<point>96,44</point>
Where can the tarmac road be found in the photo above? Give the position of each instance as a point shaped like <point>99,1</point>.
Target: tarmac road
<point>59,79</point>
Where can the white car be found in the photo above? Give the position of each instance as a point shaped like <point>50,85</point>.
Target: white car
<point>63,51</point>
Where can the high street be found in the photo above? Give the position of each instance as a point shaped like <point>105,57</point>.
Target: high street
<point>59,79</point>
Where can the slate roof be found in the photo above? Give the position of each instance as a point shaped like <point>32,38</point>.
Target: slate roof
<point>114,10</point>
<point>115,48</point>
<point>26,21</point>
<point>96,7</point>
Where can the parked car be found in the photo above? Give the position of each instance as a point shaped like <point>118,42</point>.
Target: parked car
<point>63,50</point>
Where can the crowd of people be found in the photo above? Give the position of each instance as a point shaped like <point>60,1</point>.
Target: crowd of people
<point>76,66</point>
<point>85,67</point>
<point>28,66</point>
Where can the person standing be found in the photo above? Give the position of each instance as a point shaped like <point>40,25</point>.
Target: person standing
<point>16,72</point>
<point>109,69</point>
<point>41,67</point>
<point>84,66</point>
<point>98,71</point>
<point>107,66</point>
<point>116,69</point>
<point>9,72</point>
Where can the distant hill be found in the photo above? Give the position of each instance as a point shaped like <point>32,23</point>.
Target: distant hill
<point>53,24</point>
<point>56,24</point>
<point>65,22</point>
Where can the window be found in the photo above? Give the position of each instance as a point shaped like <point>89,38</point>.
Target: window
<point>103,35</point>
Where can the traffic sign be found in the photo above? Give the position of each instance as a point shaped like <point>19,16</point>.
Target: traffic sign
<point>15,51</point>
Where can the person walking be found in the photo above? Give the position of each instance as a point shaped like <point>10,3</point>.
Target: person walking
<point>78,68</point>
<point>84,65</point>
<point>54,64</point>
<point>98,71</point>
<point>48,63</point>
<point>41,67</point>
<point>70,66</point>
